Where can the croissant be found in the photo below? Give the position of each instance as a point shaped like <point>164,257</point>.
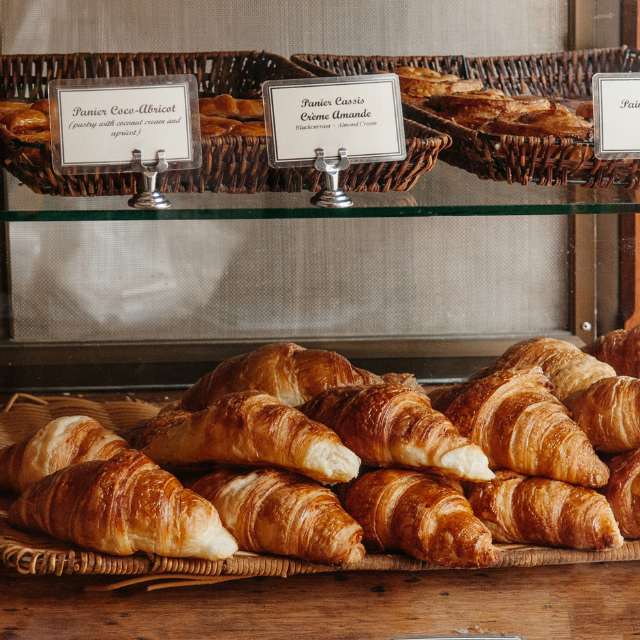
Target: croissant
<point>284,370</point>
<point>620,349</point>
<point>516,421</point>
<point>391,426</point>
<point>623,492</point>
<point>280,512</point>
<point>516,508</point>
<point>568,368</point>
<point>427,517</point>
<point>65,441</point>
<point>122,505</point>
<point>255,429</point>
<point>609,413</point>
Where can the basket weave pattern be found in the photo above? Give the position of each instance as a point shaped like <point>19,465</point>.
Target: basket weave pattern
<point>230,164</point>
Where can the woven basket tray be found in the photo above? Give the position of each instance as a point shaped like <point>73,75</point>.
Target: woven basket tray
<point>504,158</point>
<point>39,554</point>
<point>230,164</point>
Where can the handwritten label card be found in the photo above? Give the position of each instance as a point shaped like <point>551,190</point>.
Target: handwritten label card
<point>360,113</point>
<point>616,113</point>
<point>97,123</point>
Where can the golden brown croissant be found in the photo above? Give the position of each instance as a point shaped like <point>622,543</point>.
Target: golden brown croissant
<point>567,368</point>
<point>272,511</point>
<point>427,517</point>
<point>255,429</point>
<point>393,426</point>
<point>623,492</point>
<point>284,370</point>
<point>609,413</point>
<point>516,508</point>
<point>65,441</point>
<point>516,421</point>
<point>122,505</point>
<point>620,349</point>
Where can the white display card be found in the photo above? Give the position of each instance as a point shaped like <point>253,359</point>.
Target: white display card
<point>97,123</point>
<point>362,114</point>
<point>616,115</point>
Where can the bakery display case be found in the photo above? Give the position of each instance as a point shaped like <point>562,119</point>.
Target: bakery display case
<point>475,243</point>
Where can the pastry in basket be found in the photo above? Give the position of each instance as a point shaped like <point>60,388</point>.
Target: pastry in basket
<point>393,426</point>
<point>426,516</point>
<point>285,370</point>
<point>517,508</point>
<point>417,81</point>
<point>24,120</point>
<point>255,429</point>
<point>584,109</point>
<point>623,492</point>
<point>225,106</point>
<point>216,126</point>
<point>123,505</point>
<point>60,443</point>
<point>620,349</point>
<point>608,411</point>
<point>249,129</point>
<point>567,368</point>
<point>484,105</point>
<point>273,511</point>
<point>557,121</point>
<point>521,426</point>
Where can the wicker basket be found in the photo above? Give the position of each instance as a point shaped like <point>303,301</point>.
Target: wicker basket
<point>230,164</point>
<point>39,554</point>
<point>513,159</point>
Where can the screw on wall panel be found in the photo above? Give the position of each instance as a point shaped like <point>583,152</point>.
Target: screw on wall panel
<point>586,326</point>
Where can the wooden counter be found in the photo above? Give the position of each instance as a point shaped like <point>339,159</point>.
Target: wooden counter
<point>589,601</point>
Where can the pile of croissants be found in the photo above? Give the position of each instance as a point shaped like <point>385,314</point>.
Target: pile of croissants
<point>296,452</point>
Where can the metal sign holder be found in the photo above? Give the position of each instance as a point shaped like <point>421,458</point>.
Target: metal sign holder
<point>332,197</point>
<point>150,198</point>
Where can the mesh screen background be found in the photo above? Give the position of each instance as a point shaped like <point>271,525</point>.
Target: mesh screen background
<point>302,278</point>
<point>296,278</point>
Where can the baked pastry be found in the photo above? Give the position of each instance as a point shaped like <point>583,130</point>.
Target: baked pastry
<point>516,421</point>
<point>623,492</point>
<point>122,505</point>
<point>609,413</point>
<point>24,120</point>
<point>427,517</point>
<point>417,81</point>
<point>254,429</point>
<point>216,126</point>
<point>62,442</point>
<point>484,105</point>
<point>285,370</point>
<point>273,511</point>
<point>567,368</point>
<point>556,121</point>
<point>584,109</point>
<point>620,349</point>
<point>516,508</point>
<point>393,426</point>
<point>225,106</point>
<point>253,128</point>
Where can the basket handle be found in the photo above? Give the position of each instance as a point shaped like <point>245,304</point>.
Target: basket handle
<point>24,396</point>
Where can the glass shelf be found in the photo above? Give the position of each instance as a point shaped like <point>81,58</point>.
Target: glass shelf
<point>445,191</point>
